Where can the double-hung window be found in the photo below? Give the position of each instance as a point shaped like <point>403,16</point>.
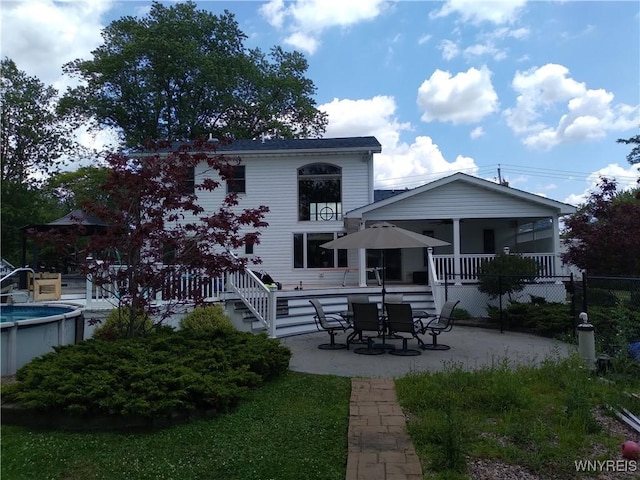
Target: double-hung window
<point>238,182</point>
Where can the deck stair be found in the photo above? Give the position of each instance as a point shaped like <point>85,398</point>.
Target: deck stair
<point>295,313</point>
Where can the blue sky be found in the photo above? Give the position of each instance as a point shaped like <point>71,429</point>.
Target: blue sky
<point>541,89</point>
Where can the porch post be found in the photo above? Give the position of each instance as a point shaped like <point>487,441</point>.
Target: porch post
<point>457,267</point>
<point>362,263</point>
<point>555,221</point>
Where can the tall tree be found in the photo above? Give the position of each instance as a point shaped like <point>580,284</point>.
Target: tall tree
<point>602,237</point>
<point>182,73</point>
<point>34,141</point>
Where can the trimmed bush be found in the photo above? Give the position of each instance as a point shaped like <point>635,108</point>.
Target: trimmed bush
<point>118,323</point>
<point>461,314</point>
<point>548,319</point>
<point>157,377</point>
<point>207,319</point>
<point>506,274</point>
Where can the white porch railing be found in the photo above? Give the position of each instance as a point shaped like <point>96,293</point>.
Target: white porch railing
<point>470,265</point>
<point>258,298</point>
<point>175,287</point>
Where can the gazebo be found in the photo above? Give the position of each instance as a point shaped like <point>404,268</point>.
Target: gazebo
<point>77,219</point>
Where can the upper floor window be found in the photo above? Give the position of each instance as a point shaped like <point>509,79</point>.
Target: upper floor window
<point>189,187</point>
<point>238,182</point>
<point>319,192</point>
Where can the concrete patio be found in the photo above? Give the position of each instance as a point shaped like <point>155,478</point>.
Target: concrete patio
<point>471,347</point>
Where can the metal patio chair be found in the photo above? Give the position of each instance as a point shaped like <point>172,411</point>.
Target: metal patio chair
<point>400,320</point>
<point>331,323</point>
<point>439,324</point>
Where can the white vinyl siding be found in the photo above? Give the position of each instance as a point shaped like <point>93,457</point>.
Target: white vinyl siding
<point>459,200</point>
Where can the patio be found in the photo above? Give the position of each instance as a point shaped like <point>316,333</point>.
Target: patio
<point>471,347</point>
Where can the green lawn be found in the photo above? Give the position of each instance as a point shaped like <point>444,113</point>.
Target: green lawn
<point>292,428</point>
<point>295,427</point>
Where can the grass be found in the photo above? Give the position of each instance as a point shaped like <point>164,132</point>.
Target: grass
<point>293,427</point>
<point>538,418</point>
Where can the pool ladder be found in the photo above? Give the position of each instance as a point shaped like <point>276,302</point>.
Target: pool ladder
<point>10,294</point>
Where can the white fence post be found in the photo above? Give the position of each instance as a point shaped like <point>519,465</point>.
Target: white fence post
<point>273,310</point>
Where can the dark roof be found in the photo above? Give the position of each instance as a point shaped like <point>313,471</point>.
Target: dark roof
<point>295,144</point>
<point>73,219</point>
<point>384,194</point>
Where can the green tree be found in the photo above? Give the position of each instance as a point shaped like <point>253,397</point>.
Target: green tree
<point>506,274</point>
<point>634,156</point>
<point>602,236</point>
<point>34,141</point>
<point>72,190</point>
<point>183,73</point>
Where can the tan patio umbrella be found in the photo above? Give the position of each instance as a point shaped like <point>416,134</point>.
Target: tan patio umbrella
<point>381,236</point>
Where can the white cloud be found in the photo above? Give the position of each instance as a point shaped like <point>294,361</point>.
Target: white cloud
<point>464,98</point>
<point>400,164</point>
<point>449,49</point>
<point>589,115</point>
<point>474,11</point>
<point>42,35</point>
<point>476,133</point>
<point>424,39</point>
<point>488,49</point>
<point>307,19</point>
<point>626,178</point>
<point>375,116</point>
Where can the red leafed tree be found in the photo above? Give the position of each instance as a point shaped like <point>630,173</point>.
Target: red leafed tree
<point>158,231</point>
<point>603,237</point>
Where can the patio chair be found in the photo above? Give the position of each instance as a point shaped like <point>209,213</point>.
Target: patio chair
<point>439,324</point>
<point>400,320</point>
<point>365,319</point>
<point>330,323</point>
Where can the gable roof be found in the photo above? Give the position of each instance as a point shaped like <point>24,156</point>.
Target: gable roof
<point>563,208</point>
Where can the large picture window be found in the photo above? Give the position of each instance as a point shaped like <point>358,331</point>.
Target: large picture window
<point>319,192</point>
<point>307,252</point>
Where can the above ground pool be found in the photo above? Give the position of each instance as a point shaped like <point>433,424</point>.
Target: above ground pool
<point>15,313</point>
<point>31,330</point>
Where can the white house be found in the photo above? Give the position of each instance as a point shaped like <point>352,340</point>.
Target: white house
<point>318,189</point>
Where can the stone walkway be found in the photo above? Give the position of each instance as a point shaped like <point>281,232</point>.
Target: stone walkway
<point>379,446</point>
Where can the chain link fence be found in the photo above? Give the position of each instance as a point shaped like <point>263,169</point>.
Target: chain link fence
<point>613,307</point>
<point>546,306</point>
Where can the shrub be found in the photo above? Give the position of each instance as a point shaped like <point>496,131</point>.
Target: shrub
<point>506,274</point>
<point>205,319</point>
<point>164,374</point>
<point>118,325</point>
<point>461,314</point>
<point>548,319</point>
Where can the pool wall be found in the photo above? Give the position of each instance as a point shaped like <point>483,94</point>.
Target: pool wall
<point>23,340</point>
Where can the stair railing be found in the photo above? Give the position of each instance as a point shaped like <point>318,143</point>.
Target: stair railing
<point>256,296</point>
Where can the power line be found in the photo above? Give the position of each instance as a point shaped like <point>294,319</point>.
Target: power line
<point>498,171</point>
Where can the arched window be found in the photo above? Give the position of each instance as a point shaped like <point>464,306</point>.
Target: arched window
<point>319,192</point>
